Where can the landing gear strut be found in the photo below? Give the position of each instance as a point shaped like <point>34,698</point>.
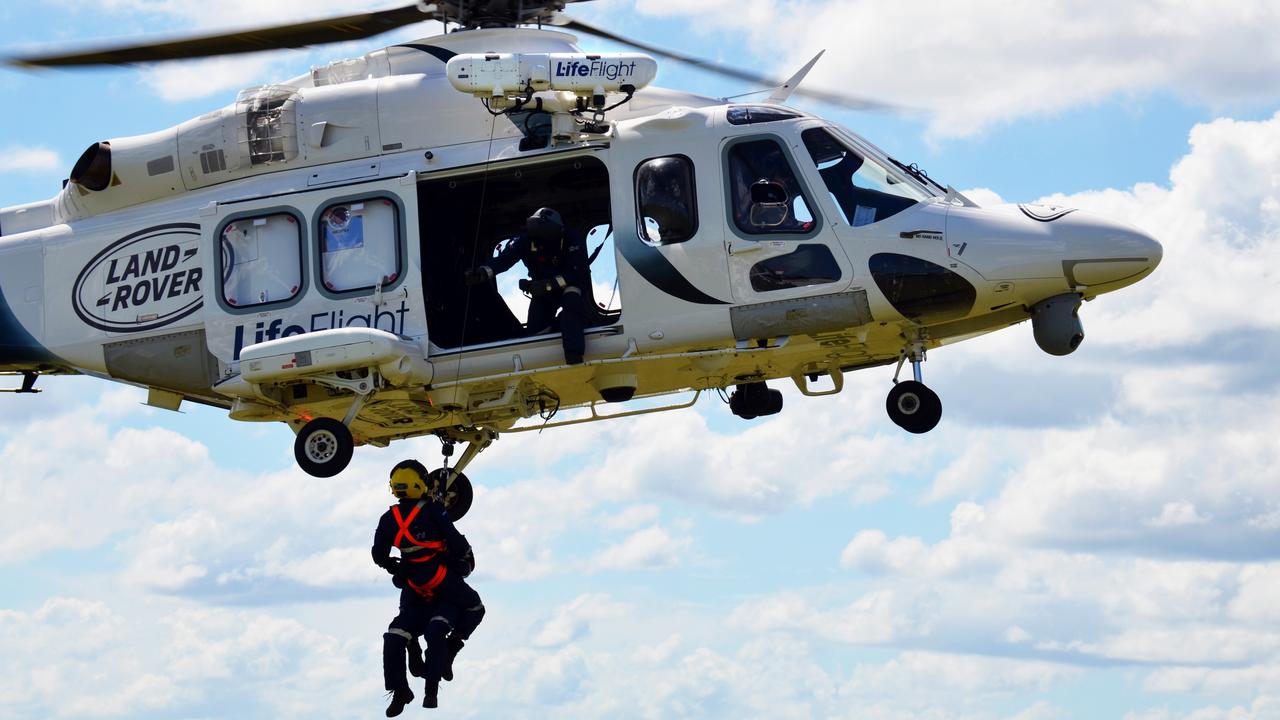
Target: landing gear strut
<point>755,399</point>
<point>452,484</point>
<point>911,405</point>
<point>28,382</point>
<point>454,488</point>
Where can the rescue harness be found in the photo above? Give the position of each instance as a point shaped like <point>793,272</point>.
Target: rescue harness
<point>419,551</point>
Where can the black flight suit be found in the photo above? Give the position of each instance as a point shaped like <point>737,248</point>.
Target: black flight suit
<point>434,598</point>
<point>559,276</point>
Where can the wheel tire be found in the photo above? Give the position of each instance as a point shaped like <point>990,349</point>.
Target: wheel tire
<point>457,501</point>
<point>914,407</point>
<point>323,447</point>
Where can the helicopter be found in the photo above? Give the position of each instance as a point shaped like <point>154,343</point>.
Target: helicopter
<point>299,255</point>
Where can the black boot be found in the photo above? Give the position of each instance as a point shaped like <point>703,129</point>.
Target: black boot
<point>455,645</point>
<point>393,651</point>
<point>417,667</point>
<point>429,694</point>
<point>399,698</point>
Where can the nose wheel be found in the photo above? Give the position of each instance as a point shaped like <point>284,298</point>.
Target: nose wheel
<point>911,405</point>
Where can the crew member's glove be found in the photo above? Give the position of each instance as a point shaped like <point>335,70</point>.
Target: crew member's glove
<point>482,274</point>
<point>395,566</point>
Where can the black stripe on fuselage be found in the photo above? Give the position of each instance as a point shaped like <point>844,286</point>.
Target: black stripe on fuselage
<point>659,271</point>
<point>17,346</point>
<point>438,53</point>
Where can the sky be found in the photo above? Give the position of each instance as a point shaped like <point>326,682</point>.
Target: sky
<point>1093,536</point>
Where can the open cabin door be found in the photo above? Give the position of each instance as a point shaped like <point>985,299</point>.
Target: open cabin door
<point>471,215</point>
<point>311,261</point>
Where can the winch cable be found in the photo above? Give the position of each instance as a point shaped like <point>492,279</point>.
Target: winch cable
<point>475,248</point>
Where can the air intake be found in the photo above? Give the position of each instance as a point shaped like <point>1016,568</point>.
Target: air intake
<point>93,170</point>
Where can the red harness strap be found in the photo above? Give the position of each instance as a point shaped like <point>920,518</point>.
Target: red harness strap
<point>433,547</point>
<point>427,590</point>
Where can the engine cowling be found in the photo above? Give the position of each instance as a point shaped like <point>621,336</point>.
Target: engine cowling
<point>1056,324</point>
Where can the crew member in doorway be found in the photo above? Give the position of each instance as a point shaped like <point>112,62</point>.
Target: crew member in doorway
<point>559,273</point>
<point>435,600</point>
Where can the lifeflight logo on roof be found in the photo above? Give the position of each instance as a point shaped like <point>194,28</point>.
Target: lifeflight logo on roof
<point>597,68</point>
<point>142,281</point>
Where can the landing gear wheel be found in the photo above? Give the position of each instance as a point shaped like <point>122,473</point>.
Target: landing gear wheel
<point>913,407</point>
<point>457,501</point>
<point>323,447</point>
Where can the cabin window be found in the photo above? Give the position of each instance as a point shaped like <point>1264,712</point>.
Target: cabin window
<point>360,245</point>
<point>666,201</point>
<point>466,220</point>
<point>864,191</point>
<point>261,260</point>
<point>766,196</point>
<point>806,265</point>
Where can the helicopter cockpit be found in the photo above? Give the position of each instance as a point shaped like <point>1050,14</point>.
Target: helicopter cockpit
<point>864,191</point>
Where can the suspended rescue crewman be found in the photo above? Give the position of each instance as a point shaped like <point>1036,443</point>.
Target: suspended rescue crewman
<point>435,601</point>
<point>559,273</point>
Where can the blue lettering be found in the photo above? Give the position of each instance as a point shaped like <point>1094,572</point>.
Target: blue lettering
<point>392,321</point>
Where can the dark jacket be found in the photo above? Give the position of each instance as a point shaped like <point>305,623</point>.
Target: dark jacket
<point>432,524</point>
<point>567,258</point>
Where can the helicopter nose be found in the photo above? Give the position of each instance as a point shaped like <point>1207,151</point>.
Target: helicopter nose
<point>1104,255</point>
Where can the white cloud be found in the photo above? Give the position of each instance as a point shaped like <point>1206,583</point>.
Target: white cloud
<point>148,692</point>
<point>964,673</point>
<point>678,455</point>
<point>651,548</point>
<point>632,517</point>
<point>1049,58</point>
<point>1264,707</point>
<point>1219,223</point>
<point>572,621</point>
<point>189,80</point>
<point>1178,513</point>
<point>20,159</point>
<point>233,14</point>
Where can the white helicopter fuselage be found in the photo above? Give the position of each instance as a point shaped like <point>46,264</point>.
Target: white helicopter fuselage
<point>209,238</point>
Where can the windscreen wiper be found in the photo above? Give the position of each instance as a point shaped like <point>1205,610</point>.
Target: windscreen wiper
<point>914,171</point>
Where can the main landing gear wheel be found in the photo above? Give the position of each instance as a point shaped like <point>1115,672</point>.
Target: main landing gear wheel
<point>913,407</point>
<point>323,447</point>
<point>457,499</point>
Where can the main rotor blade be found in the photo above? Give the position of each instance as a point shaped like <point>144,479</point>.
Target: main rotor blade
<point>316,32</point>
<point>834,98</point>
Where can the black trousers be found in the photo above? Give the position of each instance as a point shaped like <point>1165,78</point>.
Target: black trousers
<point>542,313</point>
<point>454,612</point>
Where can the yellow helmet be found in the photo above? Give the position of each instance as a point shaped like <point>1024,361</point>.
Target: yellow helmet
<point>409,480</point>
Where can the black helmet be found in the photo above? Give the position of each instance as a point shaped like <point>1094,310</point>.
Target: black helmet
<point>544,225</point>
